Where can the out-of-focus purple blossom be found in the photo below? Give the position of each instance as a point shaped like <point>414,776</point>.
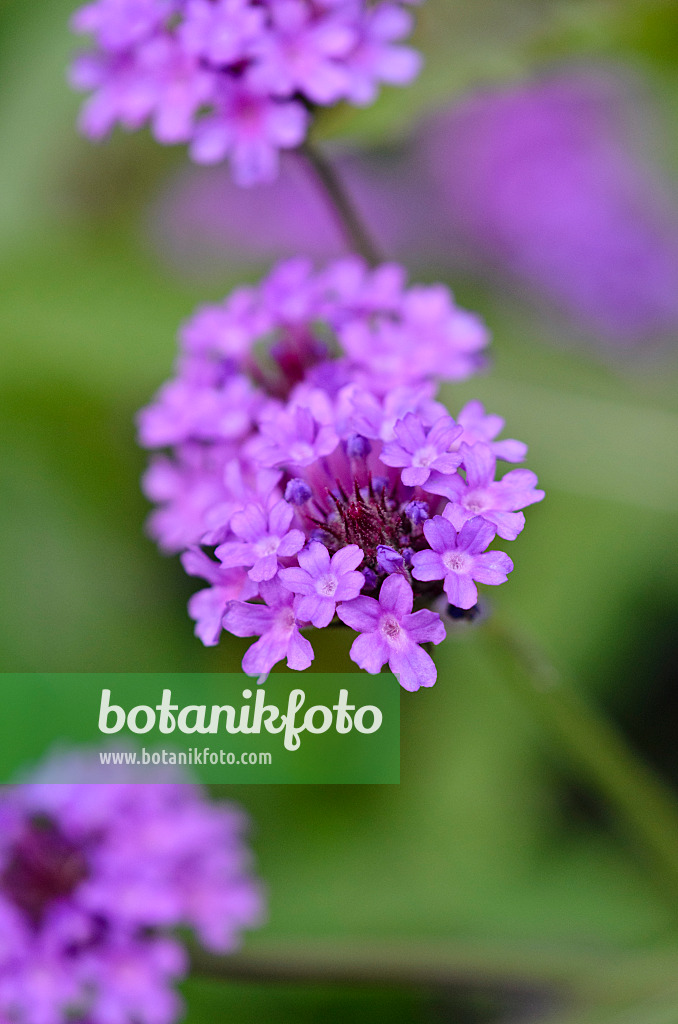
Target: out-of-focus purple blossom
<point>479,426</point>
<point>338,463</point>
<point>235,79</point>
<point>203,221</point>
<point>460,559</point>
<point>94,880</point>
<point>542,180</point>
<point>321,581</point>
<point>207,607</point>
<point>391,632</point>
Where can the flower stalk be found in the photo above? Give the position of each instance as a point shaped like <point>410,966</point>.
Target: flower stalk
<point>595,749</point>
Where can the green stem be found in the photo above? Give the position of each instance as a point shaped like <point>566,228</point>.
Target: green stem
<point>572,977</point>
<point>355,231</point>
<point>640,799</point>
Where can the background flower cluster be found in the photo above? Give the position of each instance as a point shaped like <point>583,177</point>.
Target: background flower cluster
<point>95,876</point>
<point>236,79</point>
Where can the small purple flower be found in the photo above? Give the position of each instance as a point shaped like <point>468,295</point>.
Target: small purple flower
<point>264,537</point>
<point>304,53</point>
<point>277,627</point>
<point>460,558</point>
<point>498,501</point>
<point>97,875</point>
<point>321,581</point>
<point>295,438</point>
<point>421,452</point>
<point>250,128</point>
<point>390,632</point>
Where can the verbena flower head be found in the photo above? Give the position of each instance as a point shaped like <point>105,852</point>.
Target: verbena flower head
<point>94,878</point>
<point>331,483</point>
<point>236,79</point>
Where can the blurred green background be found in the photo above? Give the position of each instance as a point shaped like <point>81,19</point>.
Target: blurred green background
<point>490,848</point>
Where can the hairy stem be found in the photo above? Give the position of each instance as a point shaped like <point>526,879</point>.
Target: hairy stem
<point>639,798</point>
<point>353,228</point>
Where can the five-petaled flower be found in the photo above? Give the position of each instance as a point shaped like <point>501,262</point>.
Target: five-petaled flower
<point>460,559</point>
<point>391,632</point>
<point>420,452</point>
<point>263,538</point>
<point>321,581</point>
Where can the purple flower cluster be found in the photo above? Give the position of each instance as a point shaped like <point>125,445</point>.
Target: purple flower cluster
<point>236,79</point>
<point>312,472</point>
<point>93,878</point>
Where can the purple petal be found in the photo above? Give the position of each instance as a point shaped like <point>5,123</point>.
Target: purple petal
<point>265,653</point>
<point>413,667</point>
<point>264,568</point>
<point>392,454</point>
<point>425,627</point>
<point>443,432</point>
<point>448,463</point>
<point>396,596</point>
<point>369,652</point>
<point>233,554</point>
<point>427,565</point>
<point>279,518</point>
<point>347,559</point>
<point>415,476</point>
<point>243,619</point>
<point>410,432</point>
<point>207,609</point>
<point>461,590</point>
<point>508,524</point>
<point>510,450</point>
<point>299,652</point>
<point>475,535</point>
<point>479,463</point>
<point>362,614</point>
<point>315,609</point>
<point>197,563</point>
<point>448,485</point>
<point>440,534</point>
<point>349,586</point>
<point>492,568</point>
<point>291,543</point>
<point>250,523</point>
<point>315,559</point>
<point>297,580</point>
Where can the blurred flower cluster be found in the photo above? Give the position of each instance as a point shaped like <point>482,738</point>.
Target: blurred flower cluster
<point>548,185</point>
<point>236,79</point>
<point>93,879</point>
<point>314,474</point>
<point>550,181</point>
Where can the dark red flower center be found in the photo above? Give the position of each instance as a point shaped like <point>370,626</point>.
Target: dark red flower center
<point>44,865</point>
